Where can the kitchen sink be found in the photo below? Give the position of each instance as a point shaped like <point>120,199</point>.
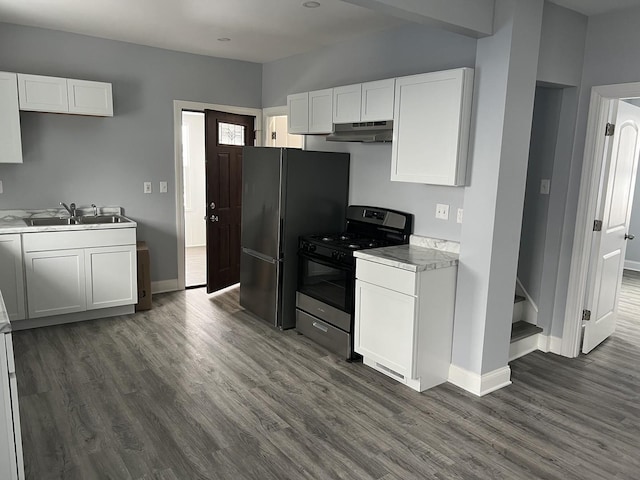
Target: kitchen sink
<point>104,219</point>
<point>49,222</point>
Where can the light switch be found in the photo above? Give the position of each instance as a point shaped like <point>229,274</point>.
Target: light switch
<point>442,211</point>
<point>1,190</point>
<point>545,186</point>
<point>459,217</point>
<point>147,187</point>
<point>163,187</point>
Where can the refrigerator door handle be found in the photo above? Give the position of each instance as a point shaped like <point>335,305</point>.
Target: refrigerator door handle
<point>259,255</point>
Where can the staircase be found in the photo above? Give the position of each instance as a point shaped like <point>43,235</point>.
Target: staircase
<point>524,335</point>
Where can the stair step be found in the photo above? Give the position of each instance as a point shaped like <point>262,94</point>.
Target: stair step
<point>521,329</point>
<point>518,298</point>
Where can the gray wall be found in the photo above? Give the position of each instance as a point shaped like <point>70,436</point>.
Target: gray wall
<point>105,160</point>
<point>397,52</point>
<point>544,131</point>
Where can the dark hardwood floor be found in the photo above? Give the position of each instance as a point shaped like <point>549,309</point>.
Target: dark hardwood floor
<point>197,389</point>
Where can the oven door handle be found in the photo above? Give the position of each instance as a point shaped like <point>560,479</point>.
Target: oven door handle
<point>324,261</point>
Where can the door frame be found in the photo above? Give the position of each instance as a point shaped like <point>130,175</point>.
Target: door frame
<point>600,113</point>
<point>276,112</point>
<point>178,107</point>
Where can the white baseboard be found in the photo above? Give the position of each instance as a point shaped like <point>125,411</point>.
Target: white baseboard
<point>163,286</point>
<point>631,265</point>
<point>480,384</point>
<point>547,343</point>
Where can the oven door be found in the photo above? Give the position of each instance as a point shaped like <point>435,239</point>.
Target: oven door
<point>326,281</point>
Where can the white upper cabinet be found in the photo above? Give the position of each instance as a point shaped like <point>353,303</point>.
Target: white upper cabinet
<point>377,100</point>
<point>60,95</point>
<point>90,98</point>
<point>321,111</point>
<point>10,138</point>
<point>346,103</point>
<point>43,94</point>
<point>298,117</point>
<point>364,102</point>
<point>431,127</point>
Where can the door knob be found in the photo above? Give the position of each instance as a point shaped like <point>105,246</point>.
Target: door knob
<point>628,236</point>
<point>214,218</point>
<point>212,205</point>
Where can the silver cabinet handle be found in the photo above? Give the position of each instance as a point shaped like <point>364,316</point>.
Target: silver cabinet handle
<point>319,326</point>
<point>629,236</point>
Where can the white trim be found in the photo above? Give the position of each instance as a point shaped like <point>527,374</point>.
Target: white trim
<point>178,107</point>
<point>522,347</point>
<point>73,317</point>
<point>163,286</point>
<point>526,294</point>
<point>548,343</point>
<point>601,110</point>
<point>631,264</point>
<point>480,384</point>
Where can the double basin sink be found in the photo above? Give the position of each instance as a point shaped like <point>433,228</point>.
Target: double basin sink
<point>83,220</point>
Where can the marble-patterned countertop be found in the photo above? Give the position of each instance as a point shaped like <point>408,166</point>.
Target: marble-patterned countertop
<point>413,257</point>
<point>5,324</point>
<point>14,221</point>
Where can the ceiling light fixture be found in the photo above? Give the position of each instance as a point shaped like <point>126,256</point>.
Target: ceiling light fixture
<point>224,39</point>
<point>311,4</point>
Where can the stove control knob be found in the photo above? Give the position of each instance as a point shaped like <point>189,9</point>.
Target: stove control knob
<point>312,248</point>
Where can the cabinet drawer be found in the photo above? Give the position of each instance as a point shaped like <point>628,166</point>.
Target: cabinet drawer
<point>328,336</point>
<point>46,241</point>
<point>393,278</point>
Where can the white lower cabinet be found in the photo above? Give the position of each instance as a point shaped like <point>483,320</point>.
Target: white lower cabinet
<point>11,458</point>
<point>404,322</point>
<point>110,276</point>
<point>69,272</point>
<point>12,276</point>
<point>55,282</point>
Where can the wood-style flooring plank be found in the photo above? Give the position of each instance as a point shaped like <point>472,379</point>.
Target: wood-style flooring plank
<point>196,388</point>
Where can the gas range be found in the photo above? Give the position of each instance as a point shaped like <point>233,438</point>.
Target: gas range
<point>326,276</point>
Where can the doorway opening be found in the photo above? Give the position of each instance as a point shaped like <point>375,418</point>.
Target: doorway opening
<point>607,187</point>
<point>188,181</point>
<point>193,168</point>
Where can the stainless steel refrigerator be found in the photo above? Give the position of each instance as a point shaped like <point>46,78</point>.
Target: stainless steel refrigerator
<point>285,193</point>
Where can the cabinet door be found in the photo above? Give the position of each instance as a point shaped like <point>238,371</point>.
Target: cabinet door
<point>385,327</point>
<point>111,276</point>
<point>431,127</point>
<point>10,138</point>
<point>55,282</point>
<point>321,111</point>
<point>377,100</point>
<point>346,103</point>
<point>298,118</point>
<point>43,94</point>
<point>90,98</point>
<point>12,276</point>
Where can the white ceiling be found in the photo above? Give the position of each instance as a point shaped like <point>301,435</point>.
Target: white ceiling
<point>596,7</point>
<point>260,30</point>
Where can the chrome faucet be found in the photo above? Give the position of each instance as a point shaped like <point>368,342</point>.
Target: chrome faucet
<point>95,210</point>
<point>71,209</point>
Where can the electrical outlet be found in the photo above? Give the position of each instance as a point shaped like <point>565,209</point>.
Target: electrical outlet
<point>459,216</point>
<point>442,211</point>
<point>147,187</point>
<point>163,187</point>
<point>545,186</point>
<point>1,190</point>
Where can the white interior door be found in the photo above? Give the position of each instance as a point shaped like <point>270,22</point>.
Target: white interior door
<point>609,245</point>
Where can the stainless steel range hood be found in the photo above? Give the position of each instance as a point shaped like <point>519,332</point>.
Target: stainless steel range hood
<point>365,132</point>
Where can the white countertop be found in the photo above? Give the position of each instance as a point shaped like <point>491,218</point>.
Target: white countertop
<point>413,257</point>
<point>13,221</point>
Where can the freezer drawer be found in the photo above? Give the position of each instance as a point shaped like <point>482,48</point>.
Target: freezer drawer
<point>328,336</point>
<point>260,287</point>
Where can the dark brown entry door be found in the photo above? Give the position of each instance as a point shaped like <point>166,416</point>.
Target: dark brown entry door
<point>225,135</point>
